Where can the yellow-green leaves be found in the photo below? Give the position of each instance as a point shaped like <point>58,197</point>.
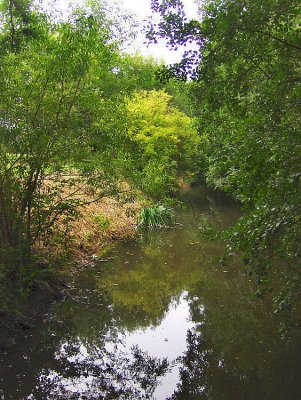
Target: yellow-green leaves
<point>164,138</point>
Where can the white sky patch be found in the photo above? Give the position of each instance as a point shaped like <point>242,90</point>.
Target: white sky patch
<point>141,8</point>
<point>159,51</point>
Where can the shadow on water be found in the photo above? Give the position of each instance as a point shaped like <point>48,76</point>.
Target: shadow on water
<point>163,319</point>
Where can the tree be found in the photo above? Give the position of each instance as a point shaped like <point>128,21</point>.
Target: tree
<point>247,95</point>
<point>51,96</point>
<point>163,139</point>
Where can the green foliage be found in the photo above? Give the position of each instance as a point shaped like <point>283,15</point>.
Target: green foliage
<point>157,216</point>
<point>250,119</point>
<point>135,73</point>
<point>163,139</point>
<point>63,120</point>
<point>247,100</point>
<point>44,101</point>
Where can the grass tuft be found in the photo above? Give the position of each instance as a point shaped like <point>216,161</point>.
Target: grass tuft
<point>156,217</point>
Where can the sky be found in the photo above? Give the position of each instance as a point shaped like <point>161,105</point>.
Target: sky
<point>142,10</point>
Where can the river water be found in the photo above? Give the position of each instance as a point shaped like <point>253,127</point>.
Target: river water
<point>164,318</point>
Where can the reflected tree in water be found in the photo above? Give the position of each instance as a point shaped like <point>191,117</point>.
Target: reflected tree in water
<point>228,357</point>
<point>102,375</point>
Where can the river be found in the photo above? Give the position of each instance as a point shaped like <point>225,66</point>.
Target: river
<point>164,318</point>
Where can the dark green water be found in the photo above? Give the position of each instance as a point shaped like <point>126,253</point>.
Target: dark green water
<point>163,319</point>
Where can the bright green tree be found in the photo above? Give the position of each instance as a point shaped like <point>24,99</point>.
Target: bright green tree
<point>163,139</point>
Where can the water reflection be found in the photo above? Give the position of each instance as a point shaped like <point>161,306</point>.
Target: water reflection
<point>162,320</point>
<point>100,374</point>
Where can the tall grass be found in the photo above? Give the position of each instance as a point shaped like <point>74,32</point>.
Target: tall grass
<point>156,217</point>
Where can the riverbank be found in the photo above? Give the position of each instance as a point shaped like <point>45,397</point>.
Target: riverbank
<point>74,245</point>
<point>72,248</point>
<point>101,224</point>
